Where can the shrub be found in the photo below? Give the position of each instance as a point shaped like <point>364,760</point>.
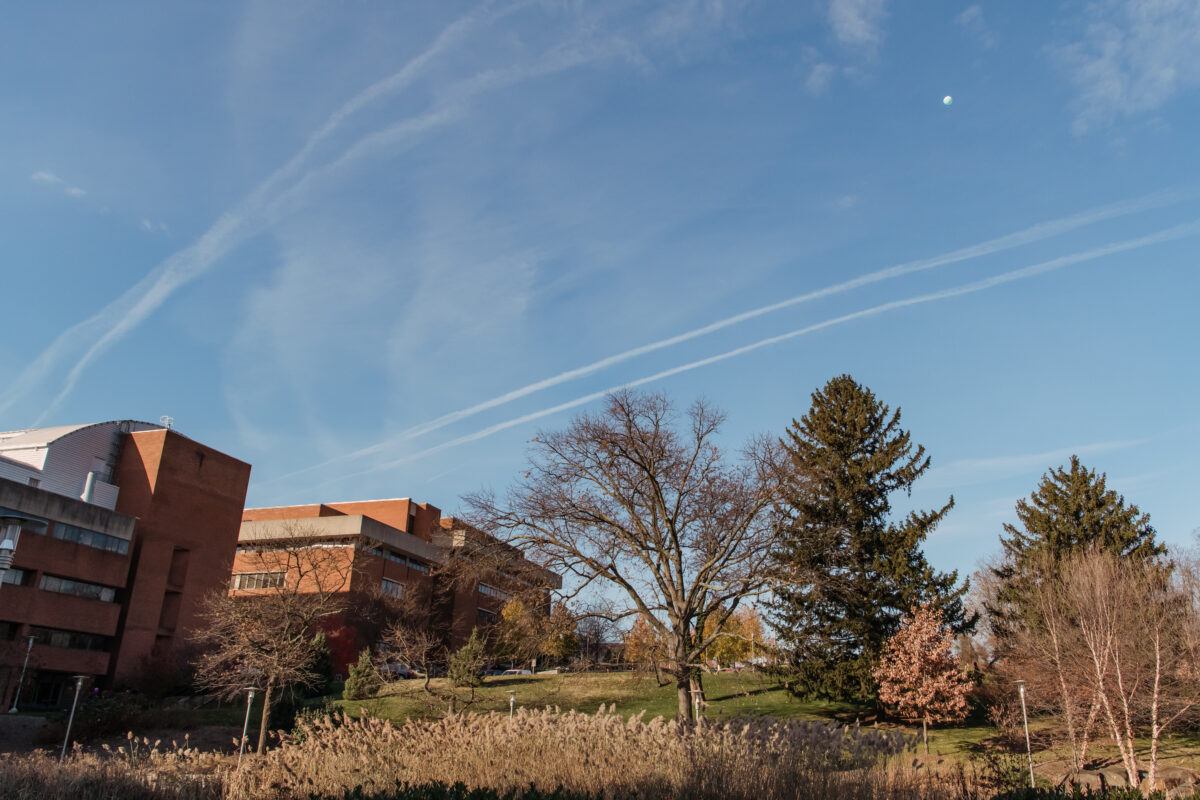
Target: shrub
<point>113,714</point>
<point>1076,793</point>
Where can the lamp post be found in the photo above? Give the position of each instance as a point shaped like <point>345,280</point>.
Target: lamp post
<point>249,690</point>
<point>696,703</point>
<point>79,679</point>
<point>21,680</point>
<point>512,702</point>
<point>1025,719</point>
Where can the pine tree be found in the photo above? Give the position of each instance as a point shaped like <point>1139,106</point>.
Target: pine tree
<point>466,665</point>
<point>850,573</point>
<point>363,680</point>
<point>1071,511</point>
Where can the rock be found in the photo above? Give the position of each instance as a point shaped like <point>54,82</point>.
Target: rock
<point>1114,777</point>
<point>1086,779</point>
<point>1169,776</point>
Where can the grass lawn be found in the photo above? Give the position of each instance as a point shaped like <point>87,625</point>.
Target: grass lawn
<point>729,695</point>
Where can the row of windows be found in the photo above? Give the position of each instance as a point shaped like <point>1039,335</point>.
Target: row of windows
<point>286,547</point>
<point>492,591</point>
<point>258,580</point>
<point>73,533</point>
<point>14,576</point>
<point>391,588</point>
<point>92,591</point>
<point>485,616</point>
<point>400,558</point>
<point>73,640</point>
<point>100,541</point>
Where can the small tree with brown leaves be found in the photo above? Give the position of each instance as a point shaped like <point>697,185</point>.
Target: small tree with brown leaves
<point>918,675</point>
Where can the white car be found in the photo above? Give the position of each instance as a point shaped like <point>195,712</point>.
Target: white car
<point>516,672</point>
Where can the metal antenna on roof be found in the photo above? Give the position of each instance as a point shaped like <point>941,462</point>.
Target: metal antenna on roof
<point>167,422</point>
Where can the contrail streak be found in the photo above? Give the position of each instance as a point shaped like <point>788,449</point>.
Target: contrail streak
<point>233,228</point>
<point>1029,235</point>
<point>1169,234</point>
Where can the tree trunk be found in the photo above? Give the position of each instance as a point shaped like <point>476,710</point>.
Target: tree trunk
<point>266,717</point>
<point>682,686</point>
<point>925,733</point>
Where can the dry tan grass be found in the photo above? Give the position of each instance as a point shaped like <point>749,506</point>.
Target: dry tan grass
<point>137,770</point>
<point>601,754</point>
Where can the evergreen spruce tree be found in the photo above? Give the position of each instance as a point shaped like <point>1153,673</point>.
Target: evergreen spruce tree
<point>1070,511</point>
<point>363,680</point>
<point>848,572</point>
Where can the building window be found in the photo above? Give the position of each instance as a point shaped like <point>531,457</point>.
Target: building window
<point>418,566</point>
<point>14,576</point>
<point>485,616</point>
<point>391,588</point>
<point>258,580</point>
<point>73,640</point>
<point>91,591</point>
<point>100,541</point>
<point>492,591</point>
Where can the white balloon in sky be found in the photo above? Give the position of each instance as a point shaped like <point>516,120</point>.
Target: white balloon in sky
<point>947,100</point>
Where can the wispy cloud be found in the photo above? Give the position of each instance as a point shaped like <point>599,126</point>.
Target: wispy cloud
<point>971,20</point>
<point>972,471</point>
<point>858,23</point>
<point>1131,57</point>
<point>98,333</point>
<point>1025,236</point>
<point>820,77</point>
<point>48,178</point>
<point>1169,234</point>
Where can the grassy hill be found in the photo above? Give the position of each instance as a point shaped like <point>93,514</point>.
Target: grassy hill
<point>729,695</point>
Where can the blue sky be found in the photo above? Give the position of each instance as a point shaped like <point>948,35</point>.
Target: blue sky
<point>313,234</point>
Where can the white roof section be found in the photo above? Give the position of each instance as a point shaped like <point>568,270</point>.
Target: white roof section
<point>72,460</point>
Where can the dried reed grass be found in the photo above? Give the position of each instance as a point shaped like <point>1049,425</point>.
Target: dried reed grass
<point>601,755</point>
<point>139,770</point>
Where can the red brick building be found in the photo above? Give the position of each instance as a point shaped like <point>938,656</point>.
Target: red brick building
<point>127,526</point>
<point>390,548</point>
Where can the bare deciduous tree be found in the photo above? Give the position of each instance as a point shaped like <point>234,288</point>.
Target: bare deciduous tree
<point>1117,643</point>
<point>625,499</point>
<point>264,637</point>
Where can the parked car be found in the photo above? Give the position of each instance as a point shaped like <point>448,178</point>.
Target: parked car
<point>401,671</point>
<point>516,672</point>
